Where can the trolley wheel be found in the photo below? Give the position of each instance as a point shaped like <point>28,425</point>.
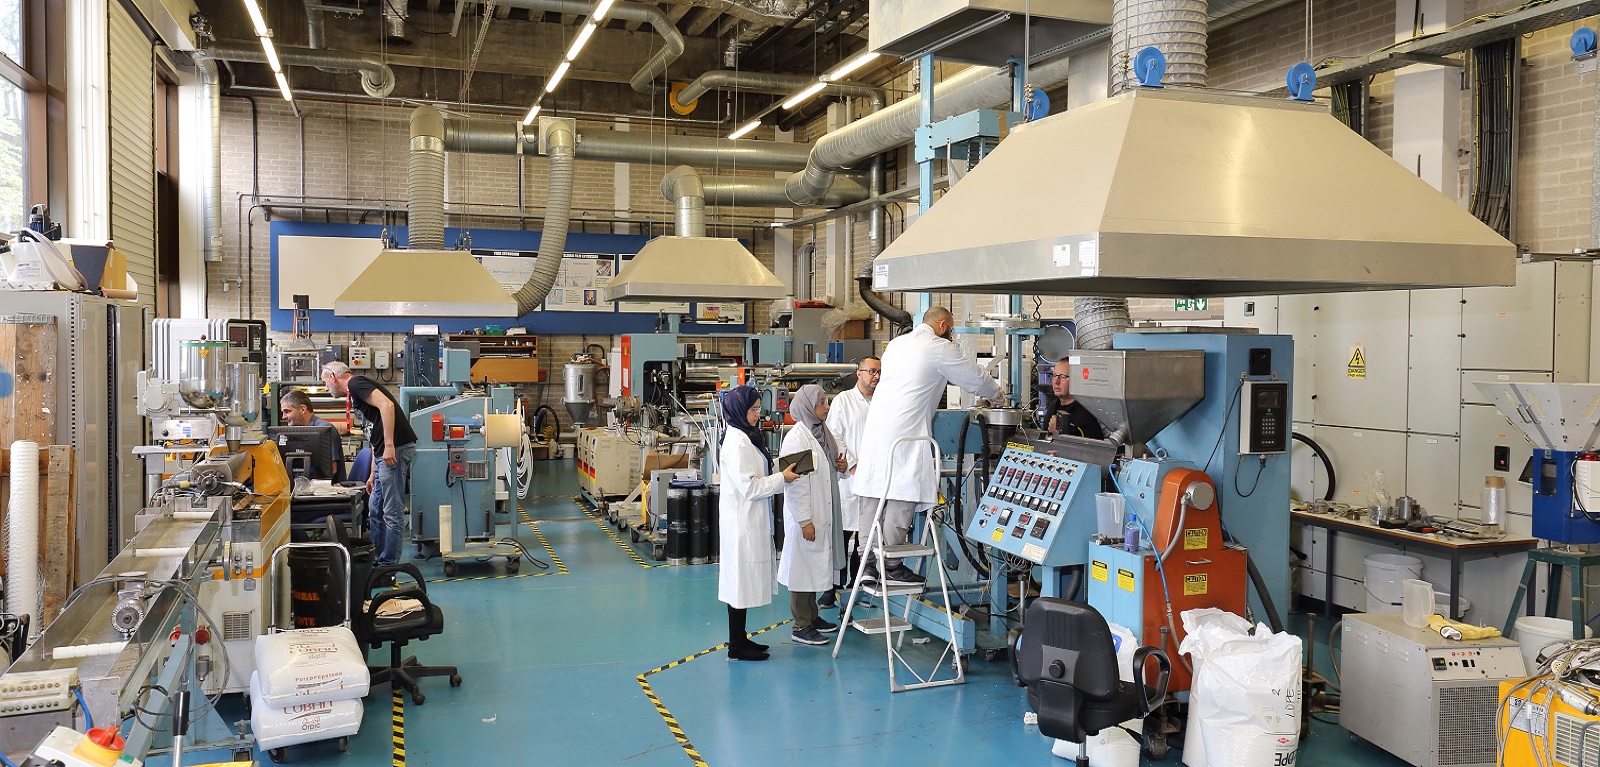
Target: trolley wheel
<point>992,654</point>
<point>344,743</point>
<point>635,536</point>
<point>455,680</point>
<point>513,564</point>
<point>449,568</point>
<point>277,754</point>
<point>658,553</point>
<point>961,663</point>
<point>1155,736</point>
<point>418,698</point>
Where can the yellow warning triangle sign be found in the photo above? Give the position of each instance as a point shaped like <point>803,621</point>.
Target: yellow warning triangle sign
<point>1357,359</point>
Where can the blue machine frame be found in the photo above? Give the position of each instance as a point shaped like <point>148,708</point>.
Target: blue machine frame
<point>443,471</point>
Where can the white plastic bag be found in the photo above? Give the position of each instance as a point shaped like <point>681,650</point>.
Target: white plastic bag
<point>1248,713</point>
<point>1113,746</point>
<point>311,666</point>
<point>300,722</point>
<point>1222,623</point>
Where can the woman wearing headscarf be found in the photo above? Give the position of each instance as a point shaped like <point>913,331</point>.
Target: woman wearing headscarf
<point>813,537</point>
<point>744,579</point>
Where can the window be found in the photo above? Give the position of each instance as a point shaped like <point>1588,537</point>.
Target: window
<point>11,30</point>
<point>13,156</point>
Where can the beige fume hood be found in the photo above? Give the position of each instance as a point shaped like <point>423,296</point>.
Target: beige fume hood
<point>1178,192</point>
<point>695,269</point>
<point>425,283</point>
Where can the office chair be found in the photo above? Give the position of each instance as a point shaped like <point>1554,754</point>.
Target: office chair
<point>1066,658</point>
<point>375,630</point>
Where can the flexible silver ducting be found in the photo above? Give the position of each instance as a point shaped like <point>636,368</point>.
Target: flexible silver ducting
<point>642,81</point>
<point>395,14</point>
<point>681,186</point>
<point>211,193</point>
<point>377,79</point>
<point>766,82</point>
<point>315,37</point>
<point>557,217</point>
<point>757,192</point>
<point>425,180</point>
<point>1098,319</point>
<point>892,126</point>
<point>1176,27</point>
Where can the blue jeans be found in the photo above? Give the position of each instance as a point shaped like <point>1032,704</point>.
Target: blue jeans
<point>386,515</point>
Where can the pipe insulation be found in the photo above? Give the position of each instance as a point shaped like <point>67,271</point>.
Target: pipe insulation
<point>508,137</point>
<point>887,128</point>
<point>316,38</point>
<point>557,217</point>
<point>682,187</point>
<point>642,81</point>
<point>22,534</point>
<point>425,181</point>
<point>377,79</point>
<point>767,82</point>
<point>211,191</point>
<point>756,192</point>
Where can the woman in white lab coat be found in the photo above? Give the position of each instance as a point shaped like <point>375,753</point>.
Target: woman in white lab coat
<point>744,579</point>
<point>813,545</point>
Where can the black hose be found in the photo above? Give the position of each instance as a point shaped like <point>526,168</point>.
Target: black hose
<point>1327,462</point>
<point>1070,593</point>
<point>895,315</point>
<point>538,422</point>
<point>958,507</point>
<point>601,357</point>
<point>1265,595</point>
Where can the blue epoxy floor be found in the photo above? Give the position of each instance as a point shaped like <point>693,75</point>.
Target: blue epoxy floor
<point>550,666</point>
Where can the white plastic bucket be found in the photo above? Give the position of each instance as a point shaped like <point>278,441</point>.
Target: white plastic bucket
<point>1536,632</point>
<point>1384,574</point>
<point>1441,605</point>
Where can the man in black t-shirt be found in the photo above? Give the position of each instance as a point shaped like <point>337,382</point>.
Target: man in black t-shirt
<point>1067,415</point>
<point>393,446</point>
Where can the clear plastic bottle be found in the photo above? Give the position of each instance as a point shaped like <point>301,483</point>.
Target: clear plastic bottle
<point>1130,533</point>
<point>1493,504</point>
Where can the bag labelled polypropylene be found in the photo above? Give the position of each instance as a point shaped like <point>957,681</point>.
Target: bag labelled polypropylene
<point>1248,714</point>
<point>300,722</point>
<point>311,666</point>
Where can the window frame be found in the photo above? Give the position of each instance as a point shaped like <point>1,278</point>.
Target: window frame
<point>43,38</point>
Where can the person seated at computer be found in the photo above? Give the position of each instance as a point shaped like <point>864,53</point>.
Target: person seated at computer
<point>295,407</point>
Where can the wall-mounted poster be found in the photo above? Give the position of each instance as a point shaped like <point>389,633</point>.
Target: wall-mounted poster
<point>581,282</point>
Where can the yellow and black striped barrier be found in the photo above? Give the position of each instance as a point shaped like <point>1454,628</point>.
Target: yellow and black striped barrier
<point>397,727</point>
<point>601,523</point>
<point>661,708</point>
<point>561,567</point>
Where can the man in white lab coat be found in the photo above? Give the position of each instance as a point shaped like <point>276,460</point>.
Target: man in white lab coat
<point>847,420</point>
<point>916,368</point>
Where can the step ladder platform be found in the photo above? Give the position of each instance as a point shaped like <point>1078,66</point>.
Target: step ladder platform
<point>907,551</point>
<point>878,626</point>
<point>879,590</point>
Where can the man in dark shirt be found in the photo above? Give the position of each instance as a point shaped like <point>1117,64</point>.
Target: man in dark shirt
<point>1067,415</point>
<point>393,446</point>
<point>295,407</point>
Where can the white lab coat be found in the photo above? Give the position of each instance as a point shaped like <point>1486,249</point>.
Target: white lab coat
<point>847,419</point>
<point>916,368</point>
<point>807,565</point>
<point>744,579</point>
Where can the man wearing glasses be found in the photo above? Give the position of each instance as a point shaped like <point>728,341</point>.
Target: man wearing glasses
<point>846,420</point>
<point>1067,415</point>
<point>393,446</point>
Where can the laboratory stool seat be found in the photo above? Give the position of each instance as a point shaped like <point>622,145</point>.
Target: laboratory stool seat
<point>377,630</point>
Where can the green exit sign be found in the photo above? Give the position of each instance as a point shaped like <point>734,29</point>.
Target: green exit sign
<point>1189,304</point>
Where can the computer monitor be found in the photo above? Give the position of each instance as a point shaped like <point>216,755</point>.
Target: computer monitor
<point>309,451</point>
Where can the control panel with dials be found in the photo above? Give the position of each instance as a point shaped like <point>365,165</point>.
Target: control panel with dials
<point>1038,506</point>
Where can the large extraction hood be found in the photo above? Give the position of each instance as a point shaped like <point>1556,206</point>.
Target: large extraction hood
<point>425,283</point>
<point>695,269</point>
<point>1174,192</point>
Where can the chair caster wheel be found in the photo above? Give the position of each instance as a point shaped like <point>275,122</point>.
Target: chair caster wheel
<point>277,755</point>
<point>418,698</point>
<point>455,680</point>
<point>344,744</point>
<point>449,568</point>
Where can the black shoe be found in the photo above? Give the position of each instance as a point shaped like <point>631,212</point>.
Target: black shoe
<point>828,600</point>
<point>823,626</point>
<point>754,646</point>
<point>747,653</point>
<point>900,575</point>
<point>869,576</point>
<point>808,635</point>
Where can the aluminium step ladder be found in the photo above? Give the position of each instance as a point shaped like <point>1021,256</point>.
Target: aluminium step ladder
<point>893,627</point>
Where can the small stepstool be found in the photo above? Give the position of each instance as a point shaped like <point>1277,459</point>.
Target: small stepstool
<point>1577,562</point>
<point>893,627</point>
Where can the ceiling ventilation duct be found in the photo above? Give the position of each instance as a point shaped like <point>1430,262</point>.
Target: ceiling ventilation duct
<point>425,283</point>
<point>692,266</point>
<point>1180,192</point>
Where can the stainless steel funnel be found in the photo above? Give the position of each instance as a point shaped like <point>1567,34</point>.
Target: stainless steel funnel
<point>1135,393</point>
<point>1553,416</point>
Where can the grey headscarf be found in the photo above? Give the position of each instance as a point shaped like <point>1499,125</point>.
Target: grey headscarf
<point>803,409</point>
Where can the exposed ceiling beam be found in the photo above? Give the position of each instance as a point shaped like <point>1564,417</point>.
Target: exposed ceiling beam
<point>699,21</point>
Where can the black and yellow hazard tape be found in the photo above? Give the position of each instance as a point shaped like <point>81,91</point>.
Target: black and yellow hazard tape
<point>601,523</point>
<point>661,708</point>
<point>561,567</point>
<point>397,726</point>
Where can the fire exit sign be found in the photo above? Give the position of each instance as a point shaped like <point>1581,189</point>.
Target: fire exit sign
<point>1189,304</point>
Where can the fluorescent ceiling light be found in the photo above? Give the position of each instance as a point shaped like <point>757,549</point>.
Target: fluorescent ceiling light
<point>583,38</point>
<point>260,23</point>
<point>272,54</point>
<point>839,72</point>
<point>555,78</point>
<point>799,98</point>
<point>283,87</point>
<point>532,113</point>
<point>601,10</point>
<point>749,126</point>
